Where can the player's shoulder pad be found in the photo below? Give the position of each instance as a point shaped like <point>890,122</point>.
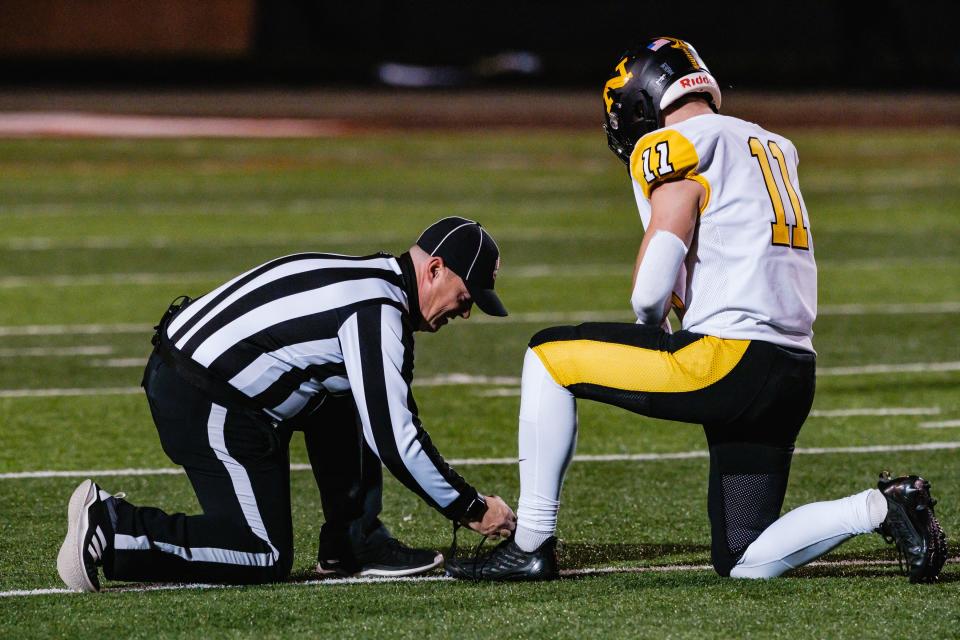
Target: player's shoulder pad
<point>661,156</point>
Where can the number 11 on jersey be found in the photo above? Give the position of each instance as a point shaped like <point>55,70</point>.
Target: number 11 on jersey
<point>664,168</point>
<point>782,235</point>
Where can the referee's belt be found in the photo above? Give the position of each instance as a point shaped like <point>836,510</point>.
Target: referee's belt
<point>219,391</point>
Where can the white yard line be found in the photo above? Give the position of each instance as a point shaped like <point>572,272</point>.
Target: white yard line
<point>161,471</point>
<point>876,411</point>
<point>59,393</point>
<point>72,329</point>
<point>881,448</point>
<point>501,392</point>
<point>888,309</point>
<point>532,317</point>
<point>466,462</point>
<point>99,279</point>
<point>870,369</point>
<point>883,264</point>
<point>945,424</point>
<point>458,379</point>
<point>333,582</point>
<point>444,380</point>
<point>816,413</point>
<point>46,243</point>
<point>62,123</point>
<point>99,243</point>
<point>118,363</point>
<point>38,352</point>
<point>369,238</point>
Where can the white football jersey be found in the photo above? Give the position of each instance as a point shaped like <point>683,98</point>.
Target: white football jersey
<point>750,271</point>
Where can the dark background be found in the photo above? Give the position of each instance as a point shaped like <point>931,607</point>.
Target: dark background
<point>881,45</point>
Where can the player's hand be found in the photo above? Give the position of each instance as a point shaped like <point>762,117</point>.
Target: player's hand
<point>499,519</point>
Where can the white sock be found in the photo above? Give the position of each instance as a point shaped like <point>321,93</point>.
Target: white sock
<point>548,438</point>
<point>808,532</point>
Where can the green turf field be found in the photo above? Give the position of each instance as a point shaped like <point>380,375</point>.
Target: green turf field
<point>98,236</point>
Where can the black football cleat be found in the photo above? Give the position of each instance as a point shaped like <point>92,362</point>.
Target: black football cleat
<point>508,562</point>
<point>912,526</point>
<point>89,537</point>
<point>389,559</point>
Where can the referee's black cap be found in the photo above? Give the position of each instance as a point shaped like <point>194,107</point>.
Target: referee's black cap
<point>471,253</point>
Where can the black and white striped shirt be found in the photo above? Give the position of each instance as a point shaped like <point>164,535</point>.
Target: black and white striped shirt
<point>299,328</point>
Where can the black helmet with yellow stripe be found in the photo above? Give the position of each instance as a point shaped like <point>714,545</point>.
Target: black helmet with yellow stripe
<point>647,80</point>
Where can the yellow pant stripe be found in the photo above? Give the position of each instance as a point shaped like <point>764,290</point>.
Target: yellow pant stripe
<point>629,368</point>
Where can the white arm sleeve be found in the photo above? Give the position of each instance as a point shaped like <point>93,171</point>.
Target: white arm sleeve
<point>658,271</point>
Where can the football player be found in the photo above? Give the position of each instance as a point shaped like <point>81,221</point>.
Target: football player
<point>728,244</point>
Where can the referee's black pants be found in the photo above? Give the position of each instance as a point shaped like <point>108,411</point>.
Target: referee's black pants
<point>350,478</point>
<point>239,467</point>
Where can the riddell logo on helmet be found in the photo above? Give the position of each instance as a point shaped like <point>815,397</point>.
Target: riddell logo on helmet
<point>694,81</point>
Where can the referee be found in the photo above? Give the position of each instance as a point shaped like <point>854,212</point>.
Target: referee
<point>314,342</point>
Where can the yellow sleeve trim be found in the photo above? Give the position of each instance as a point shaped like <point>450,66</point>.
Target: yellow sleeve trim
<point>706,187</point>
<point>664,155</point>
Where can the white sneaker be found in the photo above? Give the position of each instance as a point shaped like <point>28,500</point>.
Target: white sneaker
<point>89,536</point>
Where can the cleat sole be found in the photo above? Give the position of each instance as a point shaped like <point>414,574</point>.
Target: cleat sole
<point>70,563</point>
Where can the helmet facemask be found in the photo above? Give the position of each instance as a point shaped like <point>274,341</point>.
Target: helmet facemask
<point>628,121</point>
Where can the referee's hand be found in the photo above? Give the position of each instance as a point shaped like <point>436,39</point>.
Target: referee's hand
<point>499,519</point>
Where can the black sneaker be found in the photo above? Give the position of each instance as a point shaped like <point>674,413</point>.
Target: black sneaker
<point>912,526</point>
<point>507,561</point>
<point>389,559</point>
<point>89,537</point>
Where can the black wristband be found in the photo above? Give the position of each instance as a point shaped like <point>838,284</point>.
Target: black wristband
<point>475,510</point>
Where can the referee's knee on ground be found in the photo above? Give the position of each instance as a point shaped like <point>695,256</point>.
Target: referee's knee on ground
<point>281,567</point>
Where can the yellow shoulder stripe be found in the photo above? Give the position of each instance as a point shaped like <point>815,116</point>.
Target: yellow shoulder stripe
<point>629,368</point>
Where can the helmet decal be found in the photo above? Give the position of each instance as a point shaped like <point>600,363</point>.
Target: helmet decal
<point>687,50</point>
<point>616,82</point>
<point>659,42</point>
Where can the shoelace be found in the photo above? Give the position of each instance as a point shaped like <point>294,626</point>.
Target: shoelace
<point>476,553</point>
<point>109,503</point>
<point>889,539</point>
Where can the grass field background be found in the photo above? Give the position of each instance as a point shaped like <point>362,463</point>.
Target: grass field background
<point>99,235</point>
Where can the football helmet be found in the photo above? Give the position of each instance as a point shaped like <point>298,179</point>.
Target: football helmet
<point>647,80</point>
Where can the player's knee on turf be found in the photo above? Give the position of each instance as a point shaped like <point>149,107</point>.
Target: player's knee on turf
<point>723,561</point>
<point>748,482</point>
